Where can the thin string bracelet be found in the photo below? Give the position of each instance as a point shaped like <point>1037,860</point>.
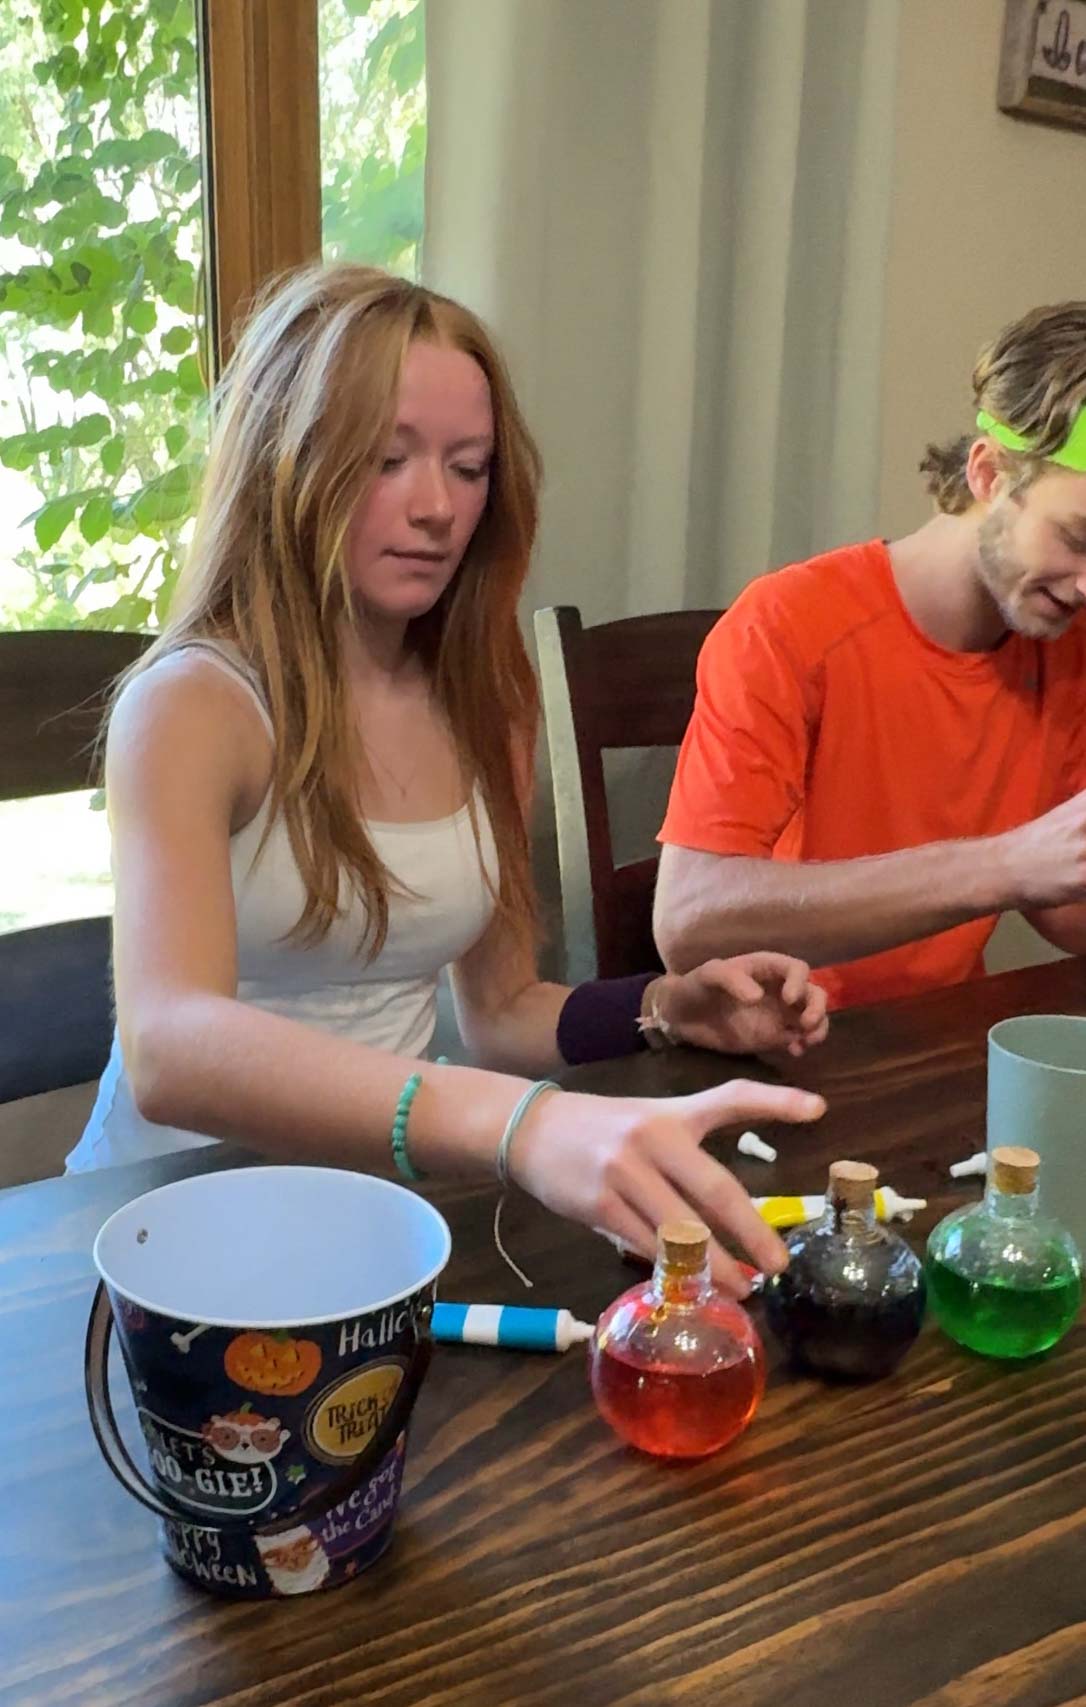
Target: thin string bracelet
<point>502,1168</point>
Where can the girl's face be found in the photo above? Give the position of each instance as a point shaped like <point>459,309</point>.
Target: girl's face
<point>405,542</point>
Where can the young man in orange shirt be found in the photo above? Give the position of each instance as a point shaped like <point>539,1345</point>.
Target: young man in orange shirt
<point>888,748</point>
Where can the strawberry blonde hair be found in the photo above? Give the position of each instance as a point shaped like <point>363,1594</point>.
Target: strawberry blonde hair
<point>304,412</point>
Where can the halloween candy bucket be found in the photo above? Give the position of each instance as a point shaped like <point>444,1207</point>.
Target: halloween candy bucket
<point>274,1323</point>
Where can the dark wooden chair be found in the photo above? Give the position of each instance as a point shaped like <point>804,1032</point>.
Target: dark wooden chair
<point>55,999</point>
<point>621,684</point>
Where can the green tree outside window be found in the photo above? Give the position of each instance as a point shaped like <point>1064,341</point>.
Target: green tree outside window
<point>103,412</point>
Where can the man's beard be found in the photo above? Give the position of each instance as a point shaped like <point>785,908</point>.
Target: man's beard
<point>1002,574</point>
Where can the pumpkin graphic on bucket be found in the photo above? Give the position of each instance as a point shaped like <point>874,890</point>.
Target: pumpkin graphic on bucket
<point>273,1363</point>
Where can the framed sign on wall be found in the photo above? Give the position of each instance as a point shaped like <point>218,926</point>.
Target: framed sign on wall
<point>1042,63</point>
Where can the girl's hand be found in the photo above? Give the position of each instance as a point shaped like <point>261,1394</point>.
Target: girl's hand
<point>627,1164</point>
<point>744,1006</point>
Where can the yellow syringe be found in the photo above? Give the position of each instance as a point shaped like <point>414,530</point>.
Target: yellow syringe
<point>781,1212</point>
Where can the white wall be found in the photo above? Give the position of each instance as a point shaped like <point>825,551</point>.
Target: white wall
<point>988,219</point>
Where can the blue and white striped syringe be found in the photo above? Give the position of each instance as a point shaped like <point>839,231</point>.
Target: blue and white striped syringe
<point>518,1326</point>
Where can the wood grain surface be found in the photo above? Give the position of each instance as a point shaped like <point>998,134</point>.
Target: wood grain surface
<point>915,1543</point>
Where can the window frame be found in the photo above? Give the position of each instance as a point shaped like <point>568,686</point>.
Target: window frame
<point>260,130</point>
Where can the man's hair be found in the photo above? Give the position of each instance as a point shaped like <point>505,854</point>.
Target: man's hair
<point>1032,377</point>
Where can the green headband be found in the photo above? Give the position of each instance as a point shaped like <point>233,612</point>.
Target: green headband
<point>1071,454</point>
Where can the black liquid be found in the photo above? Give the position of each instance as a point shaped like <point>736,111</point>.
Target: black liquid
<point>858,1339</point>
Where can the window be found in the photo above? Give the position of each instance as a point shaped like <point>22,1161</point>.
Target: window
<point>103,407</point>
<point>103,400</point>
<point>373,131</point>
<point>121,281</point>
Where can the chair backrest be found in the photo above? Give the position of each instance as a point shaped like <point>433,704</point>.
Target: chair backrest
<point>53,691</point>
<point>55,997</point>
<point>617,685</point>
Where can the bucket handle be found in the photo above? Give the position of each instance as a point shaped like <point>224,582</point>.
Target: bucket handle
<point>127,1472</point>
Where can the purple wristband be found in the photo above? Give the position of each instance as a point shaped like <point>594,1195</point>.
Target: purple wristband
<point>599,1019</point>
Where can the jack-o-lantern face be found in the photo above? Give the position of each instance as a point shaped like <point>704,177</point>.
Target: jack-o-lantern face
<point>272,1363</point>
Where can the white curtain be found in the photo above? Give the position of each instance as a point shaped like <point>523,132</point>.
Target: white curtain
<point>674,215</point>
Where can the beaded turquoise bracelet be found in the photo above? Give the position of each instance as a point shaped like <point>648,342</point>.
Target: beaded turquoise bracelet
<point>399,1130</point>
<point>399,1126</point>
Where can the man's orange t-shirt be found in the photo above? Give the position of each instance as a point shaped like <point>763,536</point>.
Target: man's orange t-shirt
<point>827,727</point>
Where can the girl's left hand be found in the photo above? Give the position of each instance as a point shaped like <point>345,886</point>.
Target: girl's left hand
<point>743,1006</point>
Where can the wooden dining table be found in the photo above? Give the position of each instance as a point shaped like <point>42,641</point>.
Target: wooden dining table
<point>916,1542</point>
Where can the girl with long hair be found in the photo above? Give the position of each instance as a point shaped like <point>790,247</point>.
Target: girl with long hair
<point>318,780</point>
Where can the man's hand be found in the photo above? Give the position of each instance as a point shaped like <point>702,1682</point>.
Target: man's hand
<point>1046,858</point>
<point>744,1006</point>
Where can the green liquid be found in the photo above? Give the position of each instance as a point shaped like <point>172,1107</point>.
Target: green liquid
<point>1000,1320</point>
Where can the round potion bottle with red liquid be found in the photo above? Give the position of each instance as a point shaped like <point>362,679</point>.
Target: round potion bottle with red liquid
<point>677,1367</point>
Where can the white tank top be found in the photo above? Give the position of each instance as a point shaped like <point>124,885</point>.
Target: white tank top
<point>389,1003</point>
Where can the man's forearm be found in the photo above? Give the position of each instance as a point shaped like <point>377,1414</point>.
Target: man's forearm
<point>1064,927</point>
<point>708,905</point>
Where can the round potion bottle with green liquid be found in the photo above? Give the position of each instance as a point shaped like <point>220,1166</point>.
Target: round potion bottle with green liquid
<point>1002,1278</point>
<point>851,1301</point>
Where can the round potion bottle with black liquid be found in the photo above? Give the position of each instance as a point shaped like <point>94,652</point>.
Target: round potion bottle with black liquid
<point>851,1301</point>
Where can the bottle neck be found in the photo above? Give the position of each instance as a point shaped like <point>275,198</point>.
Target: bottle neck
<point>1010,1205</point>
<point>680,1288</point>
<point>852,1223</point>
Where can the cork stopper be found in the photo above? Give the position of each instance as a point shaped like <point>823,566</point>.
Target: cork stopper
<point>853,1183</point>
<point>1014,1169</point>
<point>683,1245</point>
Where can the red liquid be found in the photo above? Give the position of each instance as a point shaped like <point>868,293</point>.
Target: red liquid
<point>682,1406</point>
